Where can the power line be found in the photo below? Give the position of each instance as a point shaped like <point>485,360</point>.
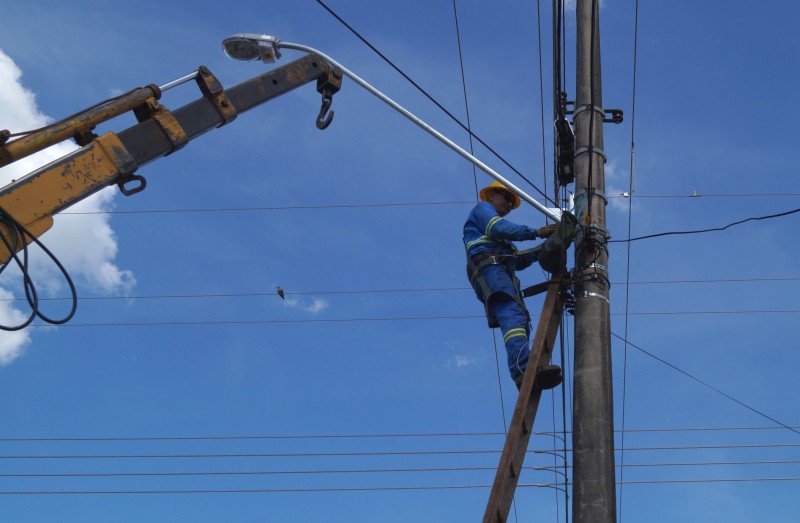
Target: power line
<point>715,229</point>
<point>393,204</point>
<point>368,471</point>
<point>716,280</point>
<point>541,91</point>
<point>186,323</point>
<point>362,489</point>
<point>391,291</point>
<point>260,437</point>
<point>415,470</point>
<point>366,436</point>
<point>248,455</point>
<point>247,473</point>
<point>429,97</point>
<point>713,480</point>
<point>707,385</point>
<point>631,190</point>
<point>711,463</point>
<point>253,294</point>
<point>240,491</point>
<point>260,322</point>
<point>466,99</point>
<point>729,195</point>
<point>368,205</point>
<point>271,208</point>
<point>404,453</point>
<point>706,313</point>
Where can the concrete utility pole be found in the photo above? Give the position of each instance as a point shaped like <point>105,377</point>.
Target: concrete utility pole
<point>593,492</point>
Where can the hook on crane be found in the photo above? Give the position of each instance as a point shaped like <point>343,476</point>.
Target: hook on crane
<point>325,117</point>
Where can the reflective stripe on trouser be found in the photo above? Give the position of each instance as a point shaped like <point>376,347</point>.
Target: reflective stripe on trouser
<point>514,324</point>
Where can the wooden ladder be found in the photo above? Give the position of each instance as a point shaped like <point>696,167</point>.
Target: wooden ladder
<point>519,433</point>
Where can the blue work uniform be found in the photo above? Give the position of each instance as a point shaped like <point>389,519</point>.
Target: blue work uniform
<point>492,262</point>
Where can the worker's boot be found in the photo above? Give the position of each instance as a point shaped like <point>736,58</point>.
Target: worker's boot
<point>547,377</point>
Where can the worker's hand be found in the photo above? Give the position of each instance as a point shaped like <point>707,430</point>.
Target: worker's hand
<point>546,231</point>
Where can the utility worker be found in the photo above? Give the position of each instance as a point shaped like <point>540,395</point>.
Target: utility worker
<point>492,261</point>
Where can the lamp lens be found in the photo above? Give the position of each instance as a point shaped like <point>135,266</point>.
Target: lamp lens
<point>242,49</point>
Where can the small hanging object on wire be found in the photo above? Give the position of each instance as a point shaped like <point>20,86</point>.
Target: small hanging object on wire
<point>280,293</point>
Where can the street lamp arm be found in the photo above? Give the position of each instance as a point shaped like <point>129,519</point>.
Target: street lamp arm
<point>430,130</point>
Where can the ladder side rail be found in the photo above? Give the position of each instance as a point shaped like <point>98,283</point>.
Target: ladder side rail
<point>520,430</point>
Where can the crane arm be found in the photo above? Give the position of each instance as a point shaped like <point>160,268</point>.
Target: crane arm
<point>113,158</point>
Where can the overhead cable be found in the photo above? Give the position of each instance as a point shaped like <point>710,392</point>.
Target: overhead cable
<point>360,489</point>
<point>675,233</point>
<point>364,436</point>
<point>466,99</point>
<point>368,471</point>
<point>440,106</point>
<point>190,323</point>
<point>461,452</point>
<point>392,291</point>
<point>631,191</point>
<point>273,208</point>
<point>707,385</point>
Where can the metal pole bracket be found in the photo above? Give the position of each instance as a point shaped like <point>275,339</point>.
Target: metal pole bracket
<point>213,91</point>
<point>152,110</point>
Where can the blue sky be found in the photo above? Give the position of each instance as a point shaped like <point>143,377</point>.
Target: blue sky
<point>179,332</point>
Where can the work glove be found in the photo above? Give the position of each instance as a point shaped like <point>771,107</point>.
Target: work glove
<point>546,231</point>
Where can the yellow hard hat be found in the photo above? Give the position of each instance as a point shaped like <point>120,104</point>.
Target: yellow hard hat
<point>498,186</point>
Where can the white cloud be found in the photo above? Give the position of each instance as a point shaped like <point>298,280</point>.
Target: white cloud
<point>12,343</point>
<point>316,306</point>
<point>85,244</point>
<point>463,361</point>
<point>459,359</point>
<point>616,184</point>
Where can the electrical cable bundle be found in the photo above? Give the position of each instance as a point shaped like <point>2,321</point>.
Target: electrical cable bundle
<point>13,235</point>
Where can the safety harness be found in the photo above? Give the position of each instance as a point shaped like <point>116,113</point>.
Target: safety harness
<point>475,266</point>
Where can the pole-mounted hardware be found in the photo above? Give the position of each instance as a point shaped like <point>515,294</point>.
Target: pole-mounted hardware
<point>616,116</point>
<point>565,137</point>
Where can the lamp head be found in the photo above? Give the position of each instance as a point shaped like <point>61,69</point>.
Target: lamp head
<point>250,46</point>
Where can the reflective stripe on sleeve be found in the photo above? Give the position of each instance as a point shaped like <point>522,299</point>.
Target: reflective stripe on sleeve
<point>491,224</point>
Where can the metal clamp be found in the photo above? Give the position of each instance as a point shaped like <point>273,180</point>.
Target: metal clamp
<point>587,294</point>
<point>152,110</point>
<point>214,92</point>
<point>597,267</point>
<point>594,277</point>
<point>587,107</point>
<point>595,150</point>
<point>595,192</point>
<point>615,114</point>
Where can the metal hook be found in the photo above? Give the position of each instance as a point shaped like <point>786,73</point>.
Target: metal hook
<point>324,120</point>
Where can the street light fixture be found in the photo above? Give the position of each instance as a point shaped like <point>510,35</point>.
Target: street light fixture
<point>252,46</point>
